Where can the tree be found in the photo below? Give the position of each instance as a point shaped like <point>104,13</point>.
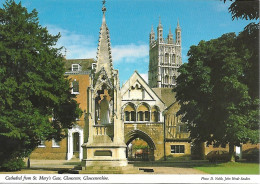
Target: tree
<point>33,89</point>
<point>245,9</point>
<point>218,88</point>
<point>249,38</point>
<point>214,94</point>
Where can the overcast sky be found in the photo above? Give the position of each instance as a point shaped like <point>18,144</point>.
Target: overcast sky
<point>129,23</point>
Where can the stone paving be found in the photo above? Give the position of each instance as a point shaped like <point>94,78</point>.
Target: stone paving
<point>53,166</point>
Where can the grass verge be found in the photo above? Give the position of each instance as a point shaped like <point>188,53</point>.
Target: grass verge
<point>230,168</point>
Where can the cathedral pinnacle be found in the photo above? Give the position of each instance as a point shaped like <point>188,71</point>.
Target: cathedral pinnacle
<point>178,24</point>
<point>152,31</point>
<point>160,23</point>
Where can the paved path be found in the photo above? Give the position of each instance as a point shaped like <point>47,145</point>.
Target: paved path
<point>30,171</point>
<point>174,170</point>
<point>52,167</point>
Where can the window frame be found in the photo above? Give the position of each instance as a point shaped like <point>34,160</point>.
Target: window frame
<point>132,116</point>
<point>140,115</point>
<point>127,116</point>
<point>72,89</point>
<point>78,67</point>
<point>55,144</point>
<point>146,116</point>
<point>42,144</point>
<point>177,149</point>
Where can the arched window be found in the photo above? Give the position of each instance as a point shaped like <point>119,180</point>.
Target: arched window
<point>130,113</point>
<point>143,113</point>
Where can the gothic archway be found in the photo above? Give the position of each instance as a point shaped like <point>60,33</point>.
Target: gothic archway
<point>134,134</point>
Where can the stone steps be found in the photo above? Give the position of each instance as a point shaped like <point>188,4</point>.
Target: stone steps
<point>130,169</point>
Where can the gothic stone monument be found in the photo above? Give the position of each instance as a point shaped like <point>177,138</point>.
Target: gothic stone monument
<point>104,142</point>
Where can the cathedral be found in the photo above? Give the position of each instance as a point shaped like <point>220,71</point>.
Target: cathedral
<point>164,58</point>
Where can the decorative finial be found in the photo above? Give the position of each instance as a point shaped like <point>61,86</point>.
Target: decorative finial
<point>152,29</point>
<point>104,8</point>
<point>178,24</point>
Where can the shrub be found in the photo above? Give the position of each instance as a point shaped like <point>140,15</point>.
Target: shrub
<point>14,164</point>
<point>136,147</point>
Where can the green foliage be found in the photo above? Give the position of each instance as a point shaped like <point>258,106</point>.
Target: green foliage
<point>230,168</point>
<point>32,84</point>
<point>136,147</point>
<point>215,94</point>
<point>245,9</point>
<point>13,164</point>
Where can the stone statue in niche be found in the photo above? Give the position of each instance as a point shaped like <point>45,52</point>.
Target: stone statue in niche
<point>103,108</point>
<point>104,111</point>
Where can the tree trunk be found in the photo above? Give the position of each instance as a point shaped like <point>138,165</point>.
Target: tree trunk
<point>231,152</point>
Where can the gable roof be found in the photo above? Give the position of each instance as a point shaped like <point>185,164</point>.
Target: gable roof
<point>144,84</point>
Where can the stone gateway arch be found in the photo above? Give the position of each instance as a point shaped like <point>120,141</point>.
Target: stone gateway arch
<point>133,134</point>
<point>142,114</point>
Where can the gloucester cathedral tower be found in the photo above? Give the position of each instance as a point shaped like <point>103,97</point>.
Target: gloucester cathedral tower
<point>165,58</point>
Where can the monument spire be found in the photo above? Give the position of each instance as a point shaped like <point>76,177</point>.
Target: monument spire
<point>104,11</point>
<point>104,58</point>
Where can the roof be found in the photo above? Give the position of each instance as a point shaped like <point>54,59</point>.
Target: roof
<point>86,64</point>
<point>166,94</point>
<point>136,77</point>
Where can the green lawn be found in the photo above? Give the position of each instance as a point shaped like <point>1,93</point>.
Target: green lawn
<point>230,168</point>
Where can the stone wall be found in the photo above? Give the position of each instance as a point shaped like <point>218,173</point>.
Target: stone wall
<point>178,156</point>
<point>49,152</point>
